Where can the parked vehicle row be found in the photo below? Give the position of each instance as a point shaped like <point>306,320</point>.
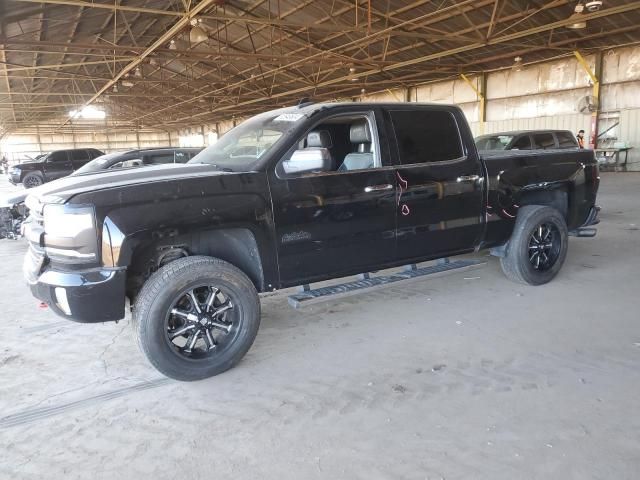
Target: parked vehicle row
<point>293,196</point>
<point>12,208</point>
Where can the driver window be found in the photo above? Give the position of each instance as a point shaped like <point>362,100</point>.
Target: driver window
<point>338,144</point>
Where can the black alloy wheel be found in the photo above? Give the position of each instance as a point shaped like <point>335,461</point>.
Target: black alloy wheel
<point>196,317</point>
<point>32,180</point>
<point>538,245</point>
<point>544,246</point>
<point>201,322</point>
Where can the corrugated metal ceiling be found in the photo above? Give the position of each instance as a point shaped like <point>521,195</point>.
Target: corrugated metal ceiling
<point>57,54</point>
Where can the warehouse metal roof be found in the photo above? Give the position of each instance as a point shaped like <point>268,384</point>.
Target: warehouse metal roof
<point>173,63</point>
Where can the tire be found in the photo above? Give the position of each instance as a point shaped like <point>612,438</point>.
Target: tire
<point>525,249</point>
<point>165,307</point>
<point>32,180</point>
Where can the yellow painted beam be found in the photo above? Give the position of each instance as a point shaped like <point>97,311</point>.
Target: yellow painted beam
<point>586,66</point>
<point>481,99</point>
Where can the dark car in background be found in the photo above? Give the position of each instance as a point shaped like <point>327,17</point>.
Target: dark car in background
<point>139,158</point>
<point>528,140</point>
<point>53,165</point>
<point>13,210</point>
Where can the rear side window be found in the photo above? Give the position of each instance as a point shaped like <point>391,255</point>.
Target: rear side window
<point>426,136</point>
<point>58,157</point>
<point>522,143</point>
<point>544,141</point>
<point>566,140</point>
<point>181,157</point>
<point>159,159</point>
<point>79,155</point>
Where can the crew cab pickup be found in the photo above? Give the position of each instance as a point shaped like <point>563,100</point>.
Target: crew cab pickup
<point>292,196</point>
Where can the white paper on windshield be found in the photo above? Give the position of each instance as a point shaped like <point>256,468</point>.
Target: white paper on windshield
<point>288,117</point>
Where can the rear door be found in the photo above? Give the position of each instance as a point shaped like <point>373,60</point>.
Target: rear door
<point>544,141</point>
<point>439,183</point>
<point>523,142</point>
<point>333,223</point>
<point>58,165</point>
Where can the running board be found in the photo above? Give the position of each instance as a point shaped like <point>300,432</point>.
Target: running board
<point>583,232</point>
<point>366,282</point>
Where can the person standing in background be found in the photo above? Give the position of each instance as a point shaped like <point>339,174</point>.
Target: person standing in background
<point>580,138</point>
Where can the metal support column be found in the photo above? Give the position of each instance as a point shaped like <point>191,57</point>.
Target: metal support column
<point>480,92</point>
<point>595,76</point>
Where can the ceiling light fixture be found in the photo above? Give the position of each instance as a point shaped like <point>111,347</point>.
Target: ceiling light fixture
<point>197,33</point>
<point>517,64</point>
<point>138,72</point>
<point>88,113</point>
<point>172,45</point>
<point>577,20</point>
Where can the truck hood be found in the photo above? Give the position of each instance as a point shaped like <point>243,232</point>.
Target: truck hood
<point>29,165</point>
<point>62,190</point>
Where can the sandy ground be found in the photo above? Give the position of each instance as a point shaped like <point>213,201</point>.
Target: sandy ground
<point>458,377</point>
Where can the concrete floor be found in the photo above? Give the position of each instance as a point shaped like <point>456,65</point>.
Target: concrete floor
<point>458,377</point>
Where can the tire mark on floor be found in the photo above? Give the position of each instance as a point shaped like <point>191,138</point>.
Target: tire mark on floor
<point>47,326</point>
<point>31,415</point>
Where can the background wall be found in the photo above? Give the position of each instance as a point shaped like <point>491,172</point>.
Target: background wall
<point>537,96</point>
<point>19,146</point>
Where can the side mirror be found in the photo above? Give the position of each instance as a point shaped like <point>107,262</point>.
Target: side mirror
<point>308,160</point>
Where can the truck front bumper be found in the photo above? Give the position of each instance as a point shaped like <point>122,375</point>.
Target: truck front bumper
<point>86,296</point>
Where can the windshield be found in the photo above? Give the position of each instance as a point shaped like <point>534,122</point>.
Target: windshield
<point>99,163</point>
<point>494,142</point>
<point>241,148</point>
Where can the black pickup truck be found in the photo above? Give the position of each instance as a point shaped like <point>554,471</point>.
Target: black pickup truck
<point>51,166</point>
<point>291,196</point>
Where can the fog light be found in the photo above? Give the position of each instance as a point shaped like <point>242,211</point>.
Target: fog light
<point>61,300</point>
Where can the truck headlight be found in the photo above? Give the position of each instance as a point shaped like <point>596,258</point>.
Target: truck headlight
<point>69,233</point>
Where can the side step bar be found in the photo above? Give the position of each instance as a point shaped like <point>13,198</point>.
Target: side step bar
<point>367,282</point>
<point>583,232</point>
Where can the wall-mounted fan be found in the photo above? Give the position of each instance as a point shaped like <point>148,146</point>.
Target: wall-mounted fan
<point>588,104</point>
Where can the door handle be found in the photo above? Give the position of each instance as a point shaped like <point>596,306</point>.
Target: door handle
<point>378,188</point>
<point>468,178</point>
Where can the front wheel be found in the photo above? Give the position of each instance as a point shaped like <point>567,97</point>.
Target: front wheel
<point>32,180</point>
<point>538,246</point>
<point>196,317</point>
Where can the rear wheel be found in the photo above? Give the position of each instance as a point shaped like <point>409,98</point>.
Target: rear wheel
<point>538,246</point>
<point>32,180</point>
<point>196,317</point>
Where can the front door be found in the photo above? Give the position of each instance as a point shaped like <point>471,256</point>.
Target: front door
<point>340,220</point>
<point>440,190</point>
<point>58,165</point>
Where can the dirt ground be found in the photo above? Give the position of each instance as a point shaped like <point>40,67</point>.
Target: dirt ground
<point>458,377</point>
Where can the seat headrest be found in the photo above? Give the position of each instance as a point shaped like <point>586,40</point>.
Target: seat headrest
<point>319,139</point>
<point>360,132</point>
